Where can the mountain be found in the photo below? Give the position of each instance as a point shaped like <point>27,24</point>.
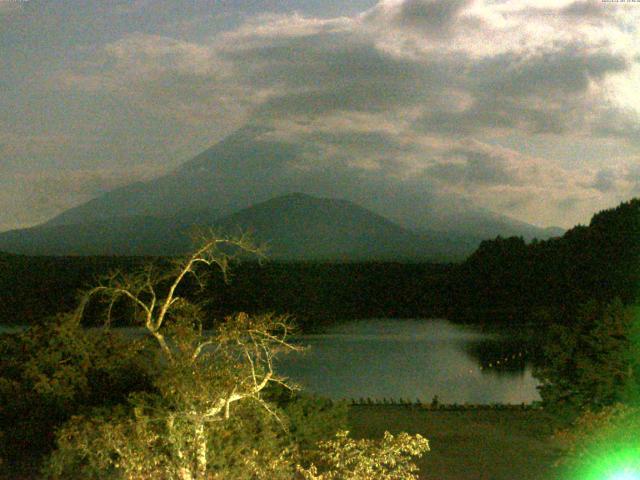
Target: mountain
<point>133,235</point>
<point>295,227</point>
<point>303,227</point>
<point>235,173</point>
<point>250,166</point>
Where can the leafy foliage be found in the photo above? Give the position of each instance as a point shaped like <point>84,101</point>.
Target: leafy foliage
<point>209,414</point>
<point>344,458</point>
<point>53,371</point>
<point>593,363</point>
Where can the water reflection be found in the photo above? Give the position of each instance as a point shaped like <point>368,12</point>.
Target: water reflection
<point>412,360</point>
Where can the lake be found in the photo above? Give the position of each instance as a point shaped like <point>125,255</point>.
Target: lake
<point>413,359</point>
<point>408,359</point>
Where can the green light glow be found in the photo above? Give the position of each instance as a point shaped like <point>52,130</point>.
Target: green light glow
<point>620,465</point>
<point>626,474</point>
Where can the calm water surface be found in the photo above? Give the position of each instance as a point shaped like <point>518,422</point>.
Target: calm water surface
<point>408,359</point>
<point>411,359</point>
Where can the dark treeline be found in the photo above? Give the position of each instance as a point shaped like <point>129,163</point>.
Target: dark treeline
<point>35,287</point>
<point>504,281</point>
<point>507,280</point>
<point>320,293</point>
<point>32,288</point>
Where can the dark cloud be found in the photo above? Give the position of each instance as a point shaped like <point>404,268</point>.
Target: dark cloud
<point>564,70</point>
<point>604,181</point>
<point>433,15</point>
<point>471,167</point>
<point>586,9</point>
<point>578,12</point>
<point>434,19</point>
<point>537,93</point>
<point>618,123</point>
<point>492,112</point>
<point>329,72</point>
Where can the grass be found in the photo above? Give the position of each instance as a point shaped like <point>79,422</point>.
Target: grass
<point>469,445</point>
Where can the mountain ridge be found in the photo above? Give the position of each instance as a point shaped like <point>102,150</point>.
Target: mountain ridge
<point>297,226</point>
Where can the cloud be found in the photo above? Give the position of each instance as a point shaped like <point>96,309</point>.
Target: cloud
<point>423,92</point>
<point>276,66</point>
<point>433,18</point>
<point>618,123</point>
<point>565,70</point>
<point>584,9</point>
<point>473,168</point>
<point>154,54</point>
<point>539,92</point>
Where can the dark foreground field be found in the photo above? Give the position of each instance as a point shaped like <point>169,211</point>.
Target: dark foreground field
<point>469,445</point>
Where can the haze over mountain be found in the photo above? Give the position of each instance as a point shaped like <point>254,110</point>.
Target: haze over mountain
<point>250,167</point>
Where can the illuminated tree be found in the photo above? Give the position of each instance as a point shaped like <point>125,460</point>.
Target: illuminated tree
<point>209,415</point>
<point>201,382</point>
<point>344,458</point>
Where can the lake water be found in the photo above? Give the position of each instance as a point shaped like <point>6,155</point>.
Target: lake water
<point>412,359</point>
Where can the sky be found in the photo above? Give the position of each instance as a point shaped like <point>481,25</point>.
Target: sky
<point>528,108</point>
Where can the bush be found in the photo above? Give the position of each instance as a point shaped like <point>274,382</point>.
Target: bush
<point>53,371</point>
<point>344,458</point>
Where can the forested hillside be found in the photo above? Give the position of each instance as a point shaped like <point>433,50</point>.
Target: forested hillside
<point>506,279</point>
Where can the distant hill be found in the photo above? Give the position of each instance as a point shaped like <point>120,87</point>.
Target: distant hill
<point>481,223</point>
<point>299,226</point>
<point>134,235</point>
<point>295,227</point>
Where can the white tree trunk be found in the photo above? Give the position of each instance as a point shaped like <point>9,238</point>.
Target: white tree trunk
<point>201,450</point>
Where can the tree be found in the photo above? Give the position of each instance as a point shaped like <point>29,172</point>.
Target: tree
<point>208,415</point>
<point>343,458</point>
<point>199,378</point>
<point>592,363</point>
<point>52,371</point>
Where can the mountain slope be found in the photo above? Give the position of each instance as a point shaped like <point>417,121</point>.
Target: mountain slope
<point>249,167</point>
<point>237,172</point>
<point>295,227</point>
<point>299,226</point>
